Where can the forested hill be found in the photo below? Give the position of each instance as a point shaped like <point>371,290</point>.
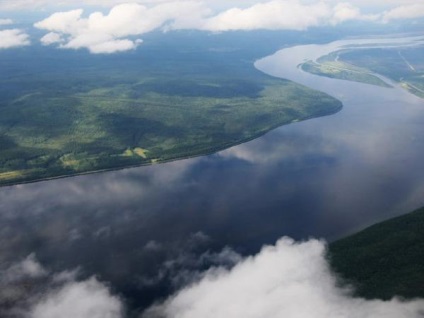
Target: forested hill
<point>384,260</point>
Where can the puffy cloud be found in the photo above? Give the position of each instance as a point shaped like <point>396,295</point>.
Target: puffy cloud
<point>273,15</point>
<point>114,46</point>
<point>29,267</point>
<point>345,11</point>
<point>115,31</point>
<point>51,38</point>
<point>13,38</point>
<point>286,280</point>
<point>109,33</point>
<point>17,282</point>
<point>87,299</point>
<point>405,12</point>
<point>23,293</point>
<point>287,14</point>
<point>66,22</point>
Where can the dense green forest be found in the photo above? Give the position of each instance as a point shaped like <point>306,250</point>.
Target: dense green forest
<point>384,260</point>
<point>69,112</point>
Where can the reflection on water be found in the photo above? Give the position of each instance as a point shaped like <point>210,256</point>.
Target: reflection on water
<point>142,228</point>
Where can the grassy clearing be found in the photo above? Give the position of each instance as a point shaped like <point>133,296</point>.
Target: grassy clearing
<point>11,175</point>
<point>136,152</point>
<point>141,152</point>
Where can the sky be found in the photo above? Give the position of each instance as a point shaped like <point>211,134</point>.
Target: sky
<point>111,26</point>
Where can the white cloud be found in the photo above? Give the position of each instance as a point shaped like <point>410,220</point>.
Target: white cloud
<point>273,15</point>
<point>51,38</point>
<point>290,279</point>
<point>287,14</point>
<point>345,11</point>
<point>27,268</point>
<point>114,32</point>
<point>113,46</point>
<point>286,280</point>
<point>404,12</point>
<point>66,22</point>
<point>30,267</point>
<point>13,38</point>
<point>109,33</point>
<point>87,299</point>
<point>30,290</point>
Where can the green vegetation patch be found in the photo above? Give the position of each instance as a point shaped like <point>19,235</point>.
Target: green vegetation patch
<point>330,66</point>
<point>384,260</point>
<point>79,113</point>
<point>402,65</point>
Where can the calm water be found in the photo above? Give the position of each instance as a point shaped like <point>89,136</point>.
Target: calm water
<point>141,229</point>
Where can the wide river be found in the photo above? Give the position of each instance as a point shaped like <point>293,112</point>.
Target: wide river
<point>140,228</point>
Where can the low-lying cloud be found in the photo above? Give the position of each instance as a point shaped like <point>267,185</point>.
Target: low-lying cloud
<point>289,279</point>
<point>29,290</point>
<point>286,280</point>
<point>13,38</point>
<point>86,299</point>
<point>27,268</point>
